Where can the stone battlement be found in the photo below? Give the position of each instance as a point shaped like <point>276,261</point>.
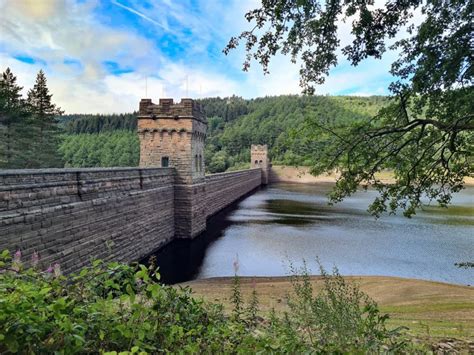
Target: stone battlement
<point>259,147</point>
<point>167,108</point>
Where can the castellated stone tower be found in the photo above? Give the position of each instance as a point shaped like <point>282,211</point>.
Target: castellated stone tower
<point>259,159</point>
<point>172,135</point>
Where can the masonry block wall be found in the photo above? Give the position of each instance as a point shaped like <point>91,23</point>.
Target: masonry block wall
<point>225,188</point>
<point>71,216</point>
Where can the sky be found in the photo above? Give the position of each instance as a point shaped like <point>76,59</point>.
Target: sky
<point>103,56</point>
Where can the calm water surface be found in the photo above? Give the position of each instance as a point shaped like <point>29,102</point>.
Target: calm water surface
<point>288,223</point>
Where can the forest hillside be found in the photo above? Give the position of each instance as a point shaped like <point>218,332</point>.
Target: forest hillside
<point>282,122</point>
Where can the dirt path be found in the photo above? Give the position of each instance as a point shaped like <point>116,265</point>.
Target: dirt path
<point>428,308</point>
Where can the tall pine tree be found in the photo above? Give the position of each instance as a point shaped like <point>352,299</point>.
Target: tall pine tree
<point>44,123</point>
<point>13,120</point>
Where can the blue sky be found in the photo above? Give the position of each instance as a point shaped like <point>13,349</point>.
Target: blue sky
<point>103,56</point>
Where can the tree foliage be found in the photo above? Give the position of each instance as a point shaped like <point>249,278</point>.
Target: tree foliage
<point>83,123</point>
<point>28,127</point>
<point>425,134</point>
<point>281,123</point>
<point>13,121</point>
<point>44,115</point>
<point>108,149</point>
<point>276,121</point>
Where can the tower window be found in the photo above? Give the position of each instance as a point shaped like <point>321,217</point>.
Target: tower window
<point>200,162</point>
<point>196,166</point>
<point>165,162</point>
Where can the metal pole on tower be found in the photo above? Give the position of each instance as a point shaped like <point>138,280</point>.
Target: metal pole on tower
<point>187,86</point>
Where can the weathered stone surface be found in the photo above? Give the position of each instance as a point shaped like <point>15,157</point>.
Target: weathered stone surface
<point>175,132</point>
<point>72,216</point>
<point>111,214</point>
<point>225,188</point>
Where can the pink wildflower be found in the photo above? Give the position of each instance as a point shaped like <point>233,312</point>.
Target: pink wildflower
<point>49,270</point>
<point>16,263</point>
<point>34,259</point>
<point>17,256</point>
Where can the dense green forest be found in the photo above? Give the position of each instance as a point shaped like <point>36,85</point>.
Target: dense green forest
<point>107,149</point>
<point>234,124</point>
<point>81,123</point>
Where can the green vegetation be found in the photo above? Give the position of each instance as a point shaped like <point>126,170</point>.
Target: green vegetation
<point>281,122</point>
<point>431,310</point>
<point>425,134</point>
<point>115,307</point>
<point>81,123</point>
<point>234,124</point>
<point>29,134</point>
<point>108,149</point>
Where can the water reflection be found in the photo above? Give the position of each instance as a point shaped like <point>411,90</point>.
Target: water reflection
<point>285,223</point>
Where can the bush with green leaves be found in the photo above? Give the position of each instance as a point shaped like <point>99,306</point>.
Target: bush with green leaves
<point>339,318</point>
<point>117,308</point>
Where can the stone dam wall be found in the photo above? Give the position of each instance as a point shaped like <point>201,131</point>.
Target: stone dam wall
<point>224,188</point>
<point>71,216</point>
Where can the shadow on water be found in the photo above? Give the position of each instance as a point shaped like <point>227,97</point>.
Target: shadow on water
<point>181,259</point>
<point>292,207</point>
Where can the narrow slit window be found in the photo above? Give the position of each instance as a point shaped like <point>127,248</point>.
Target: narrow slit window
<point>165,162</point>
<point>196,167</point>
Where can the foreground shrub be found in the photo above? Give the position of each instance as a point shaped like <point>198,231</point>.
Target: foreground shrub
<point>339,318</point>
<point>115,307</point>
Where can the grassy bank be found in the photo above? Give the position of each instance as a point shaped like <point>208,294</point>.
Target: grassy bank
<point>431,309</point>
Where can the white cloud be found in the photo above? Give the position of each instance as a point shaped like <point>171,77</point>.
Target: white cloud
<point>55,30</point>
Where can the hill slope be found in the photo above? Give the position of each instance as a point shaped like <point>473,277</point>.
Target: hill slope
<point>282,122</point>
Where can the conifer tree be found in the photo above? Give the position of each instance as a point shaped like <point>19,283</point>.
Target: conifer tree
<point>13,118</point>
<point>45,124</point>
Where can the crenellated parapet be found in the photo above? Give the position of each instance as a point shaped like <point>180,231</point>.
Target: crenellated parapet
<point>187,108</point>
<point>172,135</point>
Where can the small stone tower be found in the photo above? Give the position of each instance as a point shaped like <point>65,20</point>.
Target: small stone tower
<point>172,135</point>
<point>259,159</point>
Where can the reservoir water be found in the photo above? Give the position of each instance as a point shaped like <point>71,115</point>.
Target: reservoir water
<point>289,223</point>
